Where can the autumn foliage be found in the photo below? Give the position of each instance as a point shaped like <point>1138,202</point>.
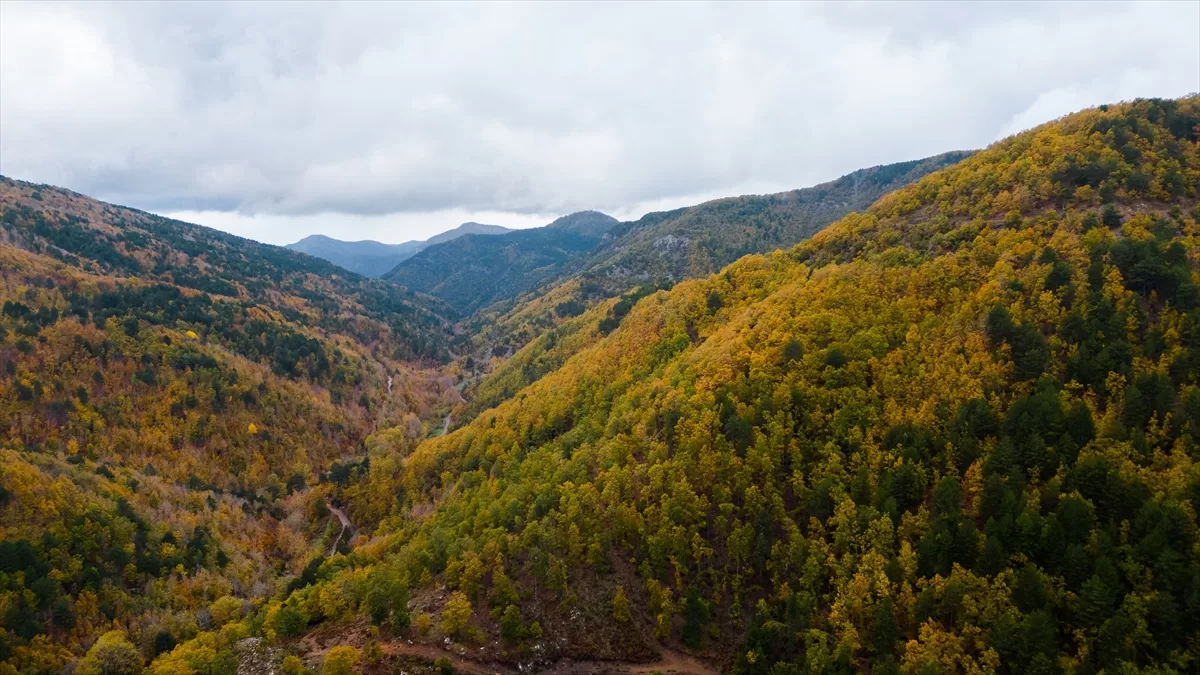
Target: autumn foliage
<point>956,433</point>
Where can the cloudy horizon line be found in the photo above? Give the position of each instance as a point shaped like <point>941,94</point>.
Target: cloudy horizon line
<point>203,218</point>
<point>393,122</point>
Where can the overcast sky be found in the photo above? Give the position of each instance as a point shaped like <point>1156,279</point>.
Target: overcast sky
<point>394,122</point>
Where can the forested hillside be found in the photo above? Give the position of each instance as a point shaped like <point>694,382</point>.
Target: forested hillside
<point>655,252</point>
<point>121,242</point>
<point>957,433</point>
<point>168,395</point>
<point>372,258</point>
<point>476,270</point>
<point>699,240</point>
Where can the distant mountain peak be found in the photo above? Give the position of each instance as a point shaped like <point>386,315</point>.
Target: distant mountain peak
<point>590,222</point>
<point>474,271</point>
<point>324,239</point>
<point>372,258</point>
<point>469,227</point>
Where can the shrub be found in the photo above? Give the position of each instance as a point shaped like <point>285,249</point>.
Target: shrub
<point>340,660</point>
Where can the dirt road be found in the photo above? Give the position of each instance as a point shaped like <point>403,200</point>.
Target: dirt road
<point>341,516</point>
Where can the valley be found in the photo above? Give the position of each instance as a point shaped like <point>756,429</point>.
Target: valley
<point>940,416</point>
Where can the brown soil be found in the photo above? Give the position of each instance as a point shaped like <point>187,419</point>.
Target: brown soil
<point>398,650</point>
<point>668,662</point>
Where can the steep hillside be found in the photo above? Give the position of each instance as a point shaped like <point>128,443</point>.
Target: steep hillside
<point>168,395</point>
<point>661,248</point>
<point>104,239</point>
<point>655,252</point>
<point>476,270</point>
<point>372,258</point>
<point>955,434</point>
<point>700,240</point>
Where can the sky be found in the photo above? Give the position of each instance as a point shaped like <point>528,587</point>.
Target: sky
<point>397,121</point>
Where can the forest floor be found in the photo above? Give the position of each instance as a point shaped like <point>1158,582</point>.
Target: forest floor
<point>669,662</point>
<point>398,651</point>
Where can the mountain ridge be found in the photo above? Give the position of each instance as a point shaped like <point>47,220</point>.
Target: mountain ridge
<point>656,251</point>
<point>371,258</point>
<point>659,247</point>
<point>984,387</point>
<point>475,270</point>
<point>958,431</point>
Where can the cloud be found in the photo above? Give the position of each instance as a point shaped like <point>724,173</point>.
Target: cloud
<point>384,117</point>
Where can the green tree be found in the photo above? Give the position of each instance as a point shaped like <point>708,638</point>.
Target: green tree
<point>290,621</point>
<point>620,605</point>
<point>112,654</point>
<point>292,665</point>
<point>696,614</point>
<point>512,628</point>
<point>224,610</point>
<point>793,351</point>
<point>456,614</point>
<point>341,660</point>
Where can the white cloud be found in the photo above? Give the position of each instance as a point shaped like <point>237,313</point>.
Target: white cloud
<point>386,120</point>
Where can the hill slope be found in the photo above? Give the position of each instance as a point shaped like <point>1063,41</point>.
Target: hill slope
<point>700,240</point>
<point>372,258</point>
<point>656,251</point>
<point>956,434</point>
<point>168,394</point>
<point>476,270</point>
<point>658,248</point>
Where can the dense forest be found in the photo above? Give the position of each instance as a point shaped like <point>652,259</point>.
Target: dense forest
<point>700,240</point>
<point>174,403</point>
<point>541,329</point>
<point>476,270</point>
<point>372,258</point>
<point>955,433</point>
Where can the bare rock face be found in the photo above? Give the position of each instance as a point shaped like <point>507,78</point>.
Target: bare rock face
<point>256,657</point>
<point>671,245</point>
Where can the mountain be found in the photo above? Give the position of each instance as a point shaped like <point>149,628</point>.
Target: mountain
<point>372,258</point>
<point>655,252</point>
<point>464,229</point>
<point>700,240</point>
<point>368,258</point>
<point>174,404</point>
<point>476,270</point>
<point>955,433</point>
<point>660,247</point>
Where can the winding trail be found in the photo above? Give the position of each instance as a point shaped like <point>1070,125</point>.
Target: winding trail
<point>341,515</point>
<point>446,423</point>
